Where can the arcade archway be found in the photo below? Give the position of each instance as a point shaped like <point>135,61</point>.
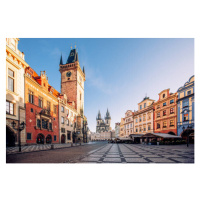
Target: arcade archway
<point>190,133</point>
<point>48,139</point>
<point>10,137</point>
<point>63,138</point>
<point>40,138</point>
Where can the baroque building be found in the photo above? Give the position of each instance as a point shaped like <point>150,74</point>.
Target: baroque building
<point>41,99</point>
<point>121,132</point>
<point>15,108</point>
<point>165,113</point>
<point>103,126</point>
<point>128,123</point>
<point>143,118</point>
<point>186,102</point>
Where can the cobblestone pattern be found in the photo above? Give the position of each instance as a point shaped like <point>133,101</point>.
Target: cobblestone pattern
<point>38,147</point>
<point>129,153</point>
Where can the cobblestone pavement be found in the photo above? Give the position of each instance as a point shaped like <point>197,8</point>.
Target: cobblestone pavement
<point>131,153</point>
<point>102,152</point>
<point>38,147</point>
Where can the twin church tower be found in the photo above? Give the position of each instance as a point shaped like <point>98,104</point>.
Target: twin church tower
<point>103,126</point>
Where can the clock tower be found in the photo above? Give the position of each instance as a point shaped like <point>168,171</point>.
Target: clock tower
<point>72,81</point>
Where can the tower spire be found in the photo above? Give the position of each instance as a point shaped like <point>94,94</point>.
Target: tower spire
<point>61,62</point>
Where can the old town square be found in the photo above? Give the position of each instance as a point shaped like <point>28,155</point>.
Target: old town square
<point>61,123</point>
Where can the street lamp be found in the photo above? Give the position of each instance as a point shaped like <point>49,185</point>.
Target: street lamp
<point>19,129</point>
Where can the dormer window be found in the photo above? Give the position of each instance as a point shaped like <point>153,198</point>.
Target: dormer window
<point>163,95</point>
<point>29,75</point>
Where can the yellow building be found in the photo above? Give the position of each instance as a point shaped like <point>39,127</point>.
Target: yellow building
<point>143,118</point>
<point>121,133</point>
<point>128,123</point>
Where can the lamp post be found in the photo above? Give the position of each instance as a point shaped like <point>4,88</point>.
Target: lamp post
<point>19,129</point>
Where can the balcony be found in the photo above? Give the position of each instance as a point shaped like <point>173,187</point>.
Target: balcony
<point>45,112</point>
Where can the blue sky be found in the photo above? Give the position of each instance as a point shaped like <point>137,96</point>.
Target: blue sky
<point>119,72</point>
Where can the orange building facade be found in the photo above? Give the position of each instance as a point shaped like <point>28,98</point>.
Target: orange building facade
<point>165,113</point>
<point>41,101</point>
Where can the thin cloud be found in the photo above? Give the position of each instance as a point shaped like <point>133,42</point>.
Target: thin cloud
<point>98,82</point>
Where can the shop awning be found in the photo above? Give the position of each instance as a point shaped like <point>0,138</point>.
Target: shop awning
<point>161,135</point>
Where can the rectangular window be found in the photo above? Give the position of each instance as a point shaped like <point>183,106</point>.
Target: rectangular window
<point>11,84</point>
<point>164,124</point>
<point>136,130</point>
<point>54,137</point>
<point>9,108</point>
<point>149,127</point>
<point>171,122</point>
<point>62,120</point>
<point>164,104</point>
<point>38,123</point>
<point>28,136</point>
<point>62,130</point>
<point>144,117</point>
<point>144,129</point>
<point>44,124</point>
<point>50,126</point>
<point>54,109</point>
<point>48,106</point>
<point>189,92</point>
<point>40,102</point>
<point>158,125</point>
<point>140,107</point>
<point>164,112</point>
<point>69,135</point>
<point>185,117</point>
<point>136,120</point>
<point>140,119</point>
<point>158,106</point>
<point>185,103</point>
<point>131,125</point>
<point>140,129</point>
<point>171,101</point>
<point>11,80</point>
<point>67,122</point>
<point>30,97</point>
<point>171,110</point>
<point>62,109</point>
<point>158,115</point>
<point>144,105</point>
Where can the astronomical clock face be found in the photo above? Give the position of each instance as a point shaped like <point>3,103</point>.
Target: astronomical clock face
<point>68,74</point>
